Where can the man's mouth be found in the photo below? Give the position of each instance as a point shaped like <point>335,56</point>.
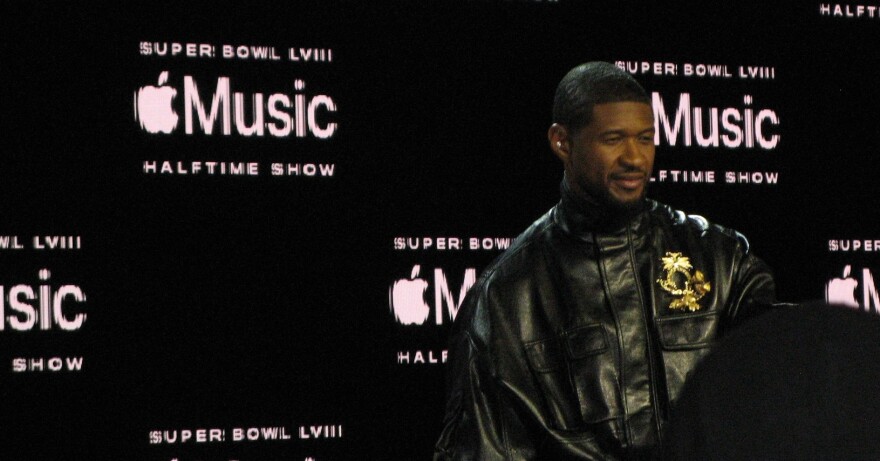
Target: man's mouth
<point>631,181</point>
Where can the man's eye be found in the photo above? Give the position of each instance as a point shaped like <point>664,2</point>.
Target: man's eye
<point>612,140</point>
<point>646,139</point>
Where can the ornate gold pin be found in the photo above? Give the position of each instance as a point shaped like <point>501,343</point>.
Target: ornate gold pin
<point>695,287</point>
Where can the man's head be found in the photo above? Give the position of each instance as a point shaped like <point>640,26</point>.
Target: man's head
<point>603,131</point>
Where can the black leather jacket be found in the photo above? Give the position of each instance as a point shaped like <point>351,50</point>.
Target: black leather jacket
<point>567,348</point>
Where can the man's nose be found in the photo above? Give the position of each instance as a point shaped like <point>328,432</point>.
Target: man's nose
<point>633,153</point>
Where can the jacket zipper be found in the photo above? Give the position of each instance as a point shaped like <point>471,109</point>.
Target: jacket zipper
<point>648,340</point>
<point>620,346</point>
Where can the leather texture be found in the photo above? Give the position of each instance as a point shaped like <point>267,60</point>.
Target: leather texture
<point>566,347</point>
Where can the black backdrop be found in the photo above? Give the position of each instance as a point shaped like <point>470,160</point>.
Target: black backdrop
<point>227,306</point>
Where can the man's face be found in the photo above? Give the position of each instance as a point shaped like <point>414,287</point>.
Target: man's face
<point>610,159</point>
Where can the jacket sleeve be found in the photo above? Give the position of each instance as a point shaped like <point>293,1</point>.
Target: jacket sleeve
<point>482,420</point>
<point>754,290</point>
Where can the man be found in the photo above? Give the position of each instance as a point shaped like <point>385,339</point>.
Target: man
<point>576,341</point>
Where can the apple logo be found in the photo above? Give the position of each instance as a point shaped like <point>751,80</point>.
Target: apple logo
<point>153,107</point>
<point>842,290</point>
<point>407,299</point>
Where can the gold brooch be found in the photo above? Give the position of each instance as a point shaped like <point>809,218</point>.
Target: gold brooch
<point>695,287</point>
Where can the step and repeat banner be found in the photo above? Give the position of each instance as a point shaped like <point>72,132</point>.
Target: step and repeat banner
<point>242,232</point>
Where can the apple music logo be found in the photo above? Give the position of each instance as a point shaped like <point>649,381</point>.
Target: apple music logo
<point>406,297</point>
<point>843,291</point>
<point>277,115</point>
<point>152,107</point>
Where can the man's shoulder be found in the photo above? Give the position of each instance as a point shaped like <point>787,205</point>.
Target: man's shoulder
<point>679,221</point>
<point>506,280</point>
<point>523,252</point>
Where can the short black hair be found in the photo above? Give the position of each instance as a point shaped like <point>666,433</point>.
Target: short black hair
<point>589,84</point>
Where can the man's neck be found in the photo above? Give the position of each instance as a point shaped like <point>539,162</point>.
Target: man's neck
<point>596,214</point>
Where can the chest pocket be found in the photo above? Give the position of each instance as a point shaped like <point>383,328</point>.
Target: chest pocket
<point>682,332</point>
<point>576,374</point>
<point>685,339</point>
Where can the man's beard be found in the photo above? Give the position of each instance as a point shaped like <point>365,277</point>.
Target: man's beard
<point>611,205</point>
<point>629,207</point>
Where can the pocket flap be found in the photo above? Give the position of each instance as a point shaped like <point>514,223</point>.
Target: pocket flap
<point>688,332</point>
<point>585,341</point>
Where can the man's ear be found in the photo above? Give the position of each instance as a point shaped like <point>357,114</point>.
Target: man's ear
<point>559,142</point>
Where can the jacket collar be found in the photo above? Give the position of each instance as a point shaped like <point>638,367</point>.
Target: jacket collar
<point>584,219</point>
